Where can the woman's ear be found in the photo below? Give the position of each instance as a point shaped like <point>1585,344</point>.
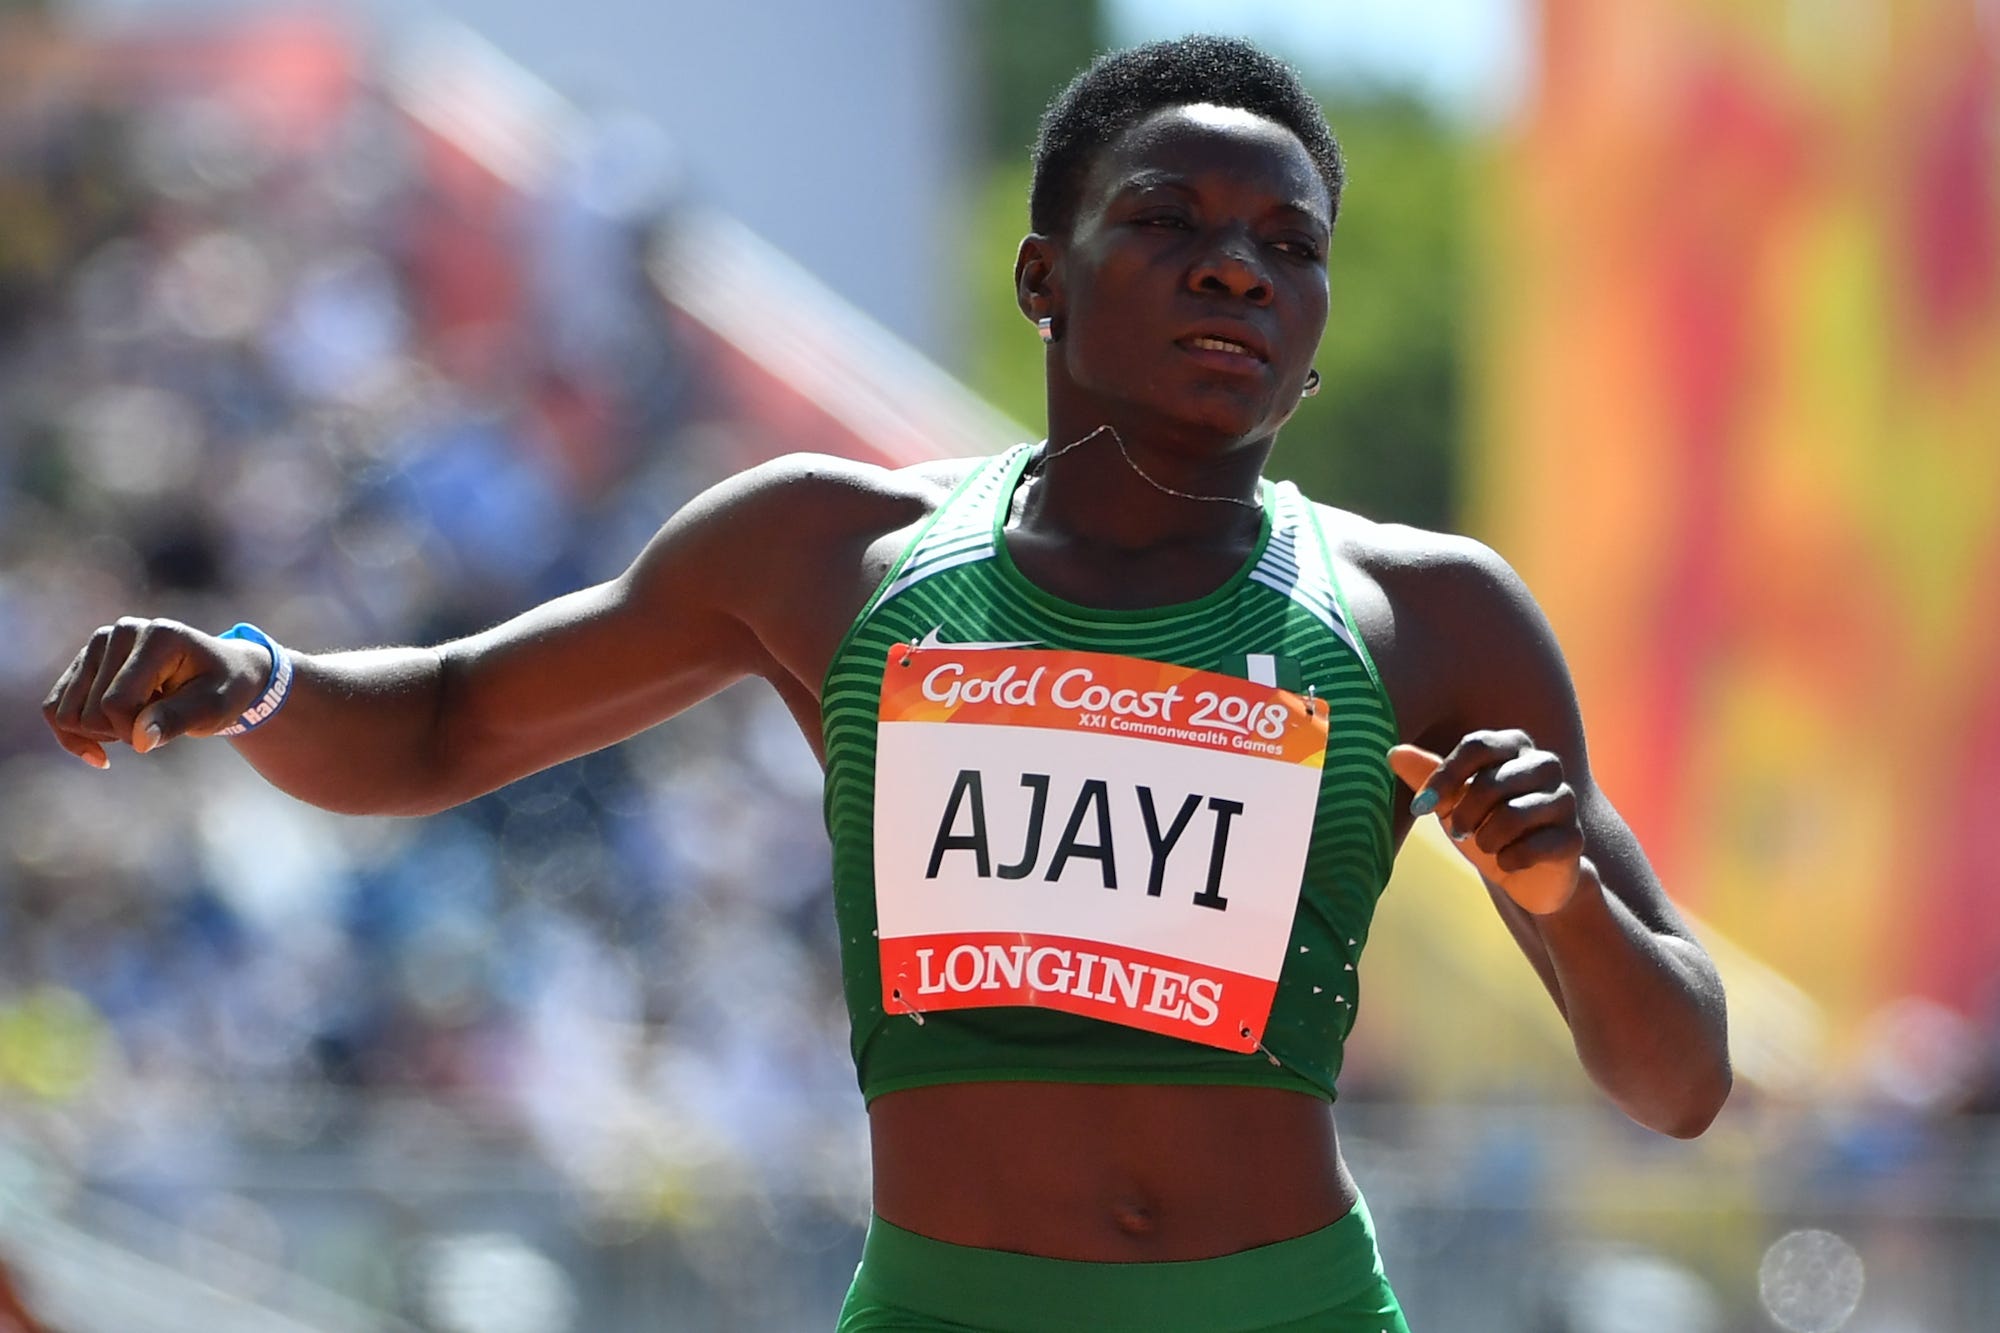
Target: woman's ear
<point>1035,285</point>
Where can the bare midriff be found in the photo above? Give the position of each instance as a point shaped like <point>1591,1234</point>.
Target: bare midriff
<point>1105,1172</point>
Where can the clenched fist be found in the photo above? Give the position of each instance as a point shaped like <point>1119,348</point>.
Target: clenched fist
<point>1508,809</point>
<point>144,682</point>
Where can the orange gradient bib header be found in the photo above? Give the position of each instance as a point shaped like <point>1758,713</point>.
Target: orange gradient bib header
<point>1103,693</point>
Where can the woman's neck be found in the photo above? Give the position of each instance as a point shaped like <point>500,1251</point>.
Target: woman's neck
<point>1101,486</point>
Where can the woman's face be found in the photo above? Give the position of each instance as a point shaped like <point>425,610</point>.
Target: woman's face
<point>1192,287</point>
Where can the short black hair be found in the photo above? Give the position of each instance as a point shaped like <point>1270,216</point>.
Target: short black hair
<point>1121,88</point>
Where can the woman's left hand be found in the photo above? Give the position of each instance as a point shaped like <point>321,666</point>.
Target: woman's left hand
<point>1508,809</point>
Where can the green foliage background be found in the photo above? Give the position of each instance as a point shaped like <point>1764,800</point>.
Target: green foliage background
<point>1384,438</point>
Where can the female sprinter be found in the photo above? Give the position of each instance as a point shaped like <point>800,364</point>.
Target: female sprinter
<point>1109,727</point>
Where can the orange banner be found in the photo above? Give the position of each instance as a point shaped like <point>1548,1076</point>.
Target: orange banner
<point>1741,434</point>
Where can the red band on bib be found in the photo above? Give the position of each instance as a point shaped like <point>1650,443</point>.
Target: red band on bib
<point>1213,1006</point>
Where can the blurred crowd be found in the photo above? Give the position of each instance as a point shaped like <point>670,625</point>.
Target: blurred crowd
<point>317,370</point>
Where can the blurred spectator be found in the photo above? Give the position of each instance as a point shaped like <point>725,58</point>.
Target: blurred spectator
<point>325,374</point>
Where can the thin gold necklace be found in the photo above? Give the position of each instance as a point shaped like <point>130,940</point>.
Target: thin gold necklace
<point>1042,459</point>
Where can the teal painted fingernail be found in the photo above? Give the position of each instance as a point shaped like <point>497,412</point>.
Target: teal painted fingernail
<point>1424,802</point>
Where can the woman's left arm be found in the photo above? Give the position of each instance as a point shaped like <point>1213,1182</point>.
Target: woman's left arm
<point>1508,775</point>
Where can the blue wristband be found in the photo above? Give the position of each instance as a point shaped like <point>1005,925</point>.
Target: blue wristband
<point>275,692</point>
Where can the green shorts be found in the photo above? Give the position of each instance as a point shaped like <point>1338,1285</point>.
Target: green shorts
<point>1329,1281</point>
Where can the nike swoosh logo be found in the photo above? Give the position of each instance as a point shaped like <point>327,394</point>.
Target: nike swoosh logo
<point>931,640</point>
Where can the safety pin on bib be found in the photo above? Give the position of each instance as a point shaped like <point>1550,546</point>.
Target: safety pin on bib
<point>1244,1028</point>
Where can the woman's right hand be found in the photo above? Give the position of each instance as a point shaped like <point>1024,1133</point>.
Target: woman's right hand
<point>144,682</point>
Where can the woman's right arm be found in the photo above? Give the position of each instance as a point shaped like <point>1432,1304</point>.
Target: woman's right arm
<point>413,730</point>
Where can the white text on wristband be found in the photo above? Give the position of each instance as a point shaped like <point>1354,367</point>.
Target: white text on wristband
<point>275,692</point>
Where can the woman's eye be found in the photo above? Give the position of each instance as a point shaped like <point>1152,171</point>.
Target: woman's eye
<point>1300,249</point>
<point>1161,220</point>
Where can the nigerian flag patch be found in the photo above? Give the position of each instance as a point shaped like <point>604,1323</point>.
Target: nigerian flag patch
<point>1266,669</point>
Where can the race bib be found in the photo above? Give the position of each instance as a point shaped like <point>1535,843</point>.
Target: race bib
<point>1104,835</point>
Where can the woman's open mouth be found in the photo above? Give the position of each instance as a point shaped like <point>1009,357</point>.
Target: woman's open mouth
<point>1224,353</point>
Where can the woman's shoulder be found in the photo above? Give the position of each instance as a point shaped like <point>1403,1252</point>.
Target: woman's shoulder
<point>1417,566</point>
<point>1419,598</point>
<point>825,495</point>
<point>834,474</point>
<point>792,548</point>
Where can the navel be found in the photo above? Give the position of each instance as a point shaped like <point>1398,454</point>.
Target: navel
<point>1134,1217</point>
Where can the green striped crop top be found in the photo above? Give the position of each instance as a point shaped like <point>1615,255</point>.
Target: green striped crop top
<point>1090,846</point>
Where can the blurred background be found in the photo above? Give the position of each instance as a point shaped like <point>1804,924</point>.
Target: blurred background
<point>377,322</point>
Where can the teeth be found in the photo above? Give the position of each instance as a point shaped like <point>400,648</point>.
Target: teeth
<point>1220,345</point>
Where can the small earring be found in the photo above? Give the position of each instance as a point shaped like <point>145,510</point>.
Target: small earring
<point>1046,327</point>
<point>1312,384</point>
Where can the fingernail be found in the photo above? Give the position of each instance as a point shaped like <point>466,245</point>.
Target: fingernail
<point>1458,836</point>
<point>1424,802</point>
<point>153,738</point>
<point>97,761</point>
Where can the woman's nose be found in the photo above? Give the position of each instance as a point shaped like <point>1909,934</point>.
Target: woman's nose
<point>1230,267</point>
